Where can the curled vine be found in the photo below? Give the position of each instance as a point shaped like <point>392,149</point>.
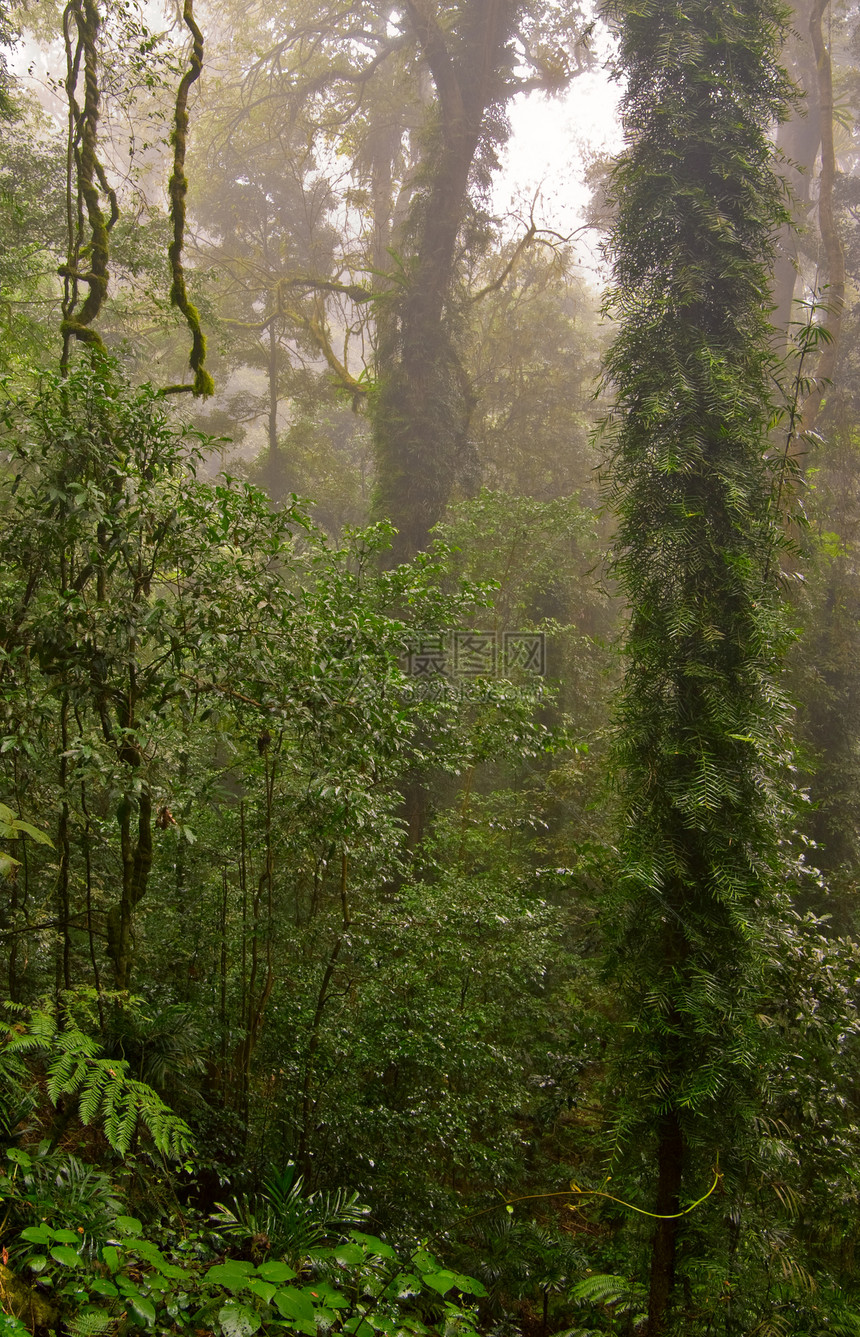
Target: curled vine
<point>85,183</point>
<point>178,191</point>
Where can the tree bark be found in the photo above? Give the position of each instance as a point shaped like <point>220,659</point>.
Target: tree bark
<point>422,413</point>
<point>798,141</point>
<point>831,262</point>
<point>670,1167</point>
<point>136,854</point>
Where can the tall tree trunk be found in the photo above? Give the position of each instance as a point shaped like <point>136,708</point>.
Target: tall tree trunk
<point>798,140</point>
<point>699,864</point>
<point>831,261</point>
<point>64,954</point>
<point>136,854</point>
<point>670,1167</point>
<point>272,422</point>
<point>422,413</point>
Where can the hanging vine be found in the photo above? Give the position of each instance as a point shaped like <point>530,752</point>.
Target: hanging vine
<point>88,228</point>
<point>85,183</point>
<point>178,190</point>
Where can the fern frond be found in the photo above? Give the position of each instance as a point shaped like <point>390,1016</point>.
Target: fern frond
<point>66,1075</point>
<point>91,1096</point>
<point>603,1289</point>
<point>90,1323</point>
<point>102,1086</point>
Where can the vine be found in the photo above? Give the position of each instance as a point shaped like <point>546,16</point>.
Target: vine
<point>178,190</point>
<point>577,1192</point>
<point>86,183</point>
<point>83,165</point>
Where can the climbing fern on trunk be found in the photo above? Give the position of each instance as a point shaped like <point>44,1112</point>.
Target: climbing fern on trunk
<point>702,741</point>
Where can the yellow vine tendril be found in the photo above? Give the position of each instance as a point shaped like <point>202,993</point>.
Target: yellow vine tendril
<point>599,1193</point>
<point>656,1216</point>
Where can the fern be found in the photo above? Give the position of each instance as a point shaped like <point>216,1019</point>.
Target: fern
<point>702,725</point>
<point>605,1289</point>
<point>90,1323</point>
<point>92,1098</point>
<point>104,1091</point>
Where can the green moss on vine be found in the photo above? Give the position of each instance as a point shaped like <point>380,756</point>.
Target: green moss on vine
<point>178,191</point>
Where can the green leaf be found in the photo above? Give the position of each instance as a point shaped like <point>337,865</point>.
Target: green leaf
<point>147,1250</point>
<point>469,1285</point>
<point>276,1272</point>
<point>404,1285</point>
<point>324,1318</point>
<point>143,1308</point>
<point>12,1327</point>
<point>373,1245</point>
<point>383,1325</point>
<point>439,1281</point>
<point>7,868</point>
<point>101,1287</point>
<point>358,1326</point>
<point>128,1225</point>
<point>232,1274</point>
<point>349,1254</point>
<point>37,1234</point>
<point>237,1320</point>
<point>110,1257</point>
<point>323,1293</point>
<point>61,1253</point>
<point>295,1304</point>
<point>34,833</point>
<point>265,1289</point>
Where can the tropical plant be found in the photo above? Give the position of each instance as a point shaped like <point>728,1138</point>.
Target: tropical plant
<point>100,1089</point>
<point>359,1285</point>
<point>702,725</point>
<point>284,1221</point>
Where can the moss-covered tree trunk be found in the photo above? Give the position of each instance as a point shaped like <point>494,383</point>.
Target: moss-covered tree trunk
<point>422,411</point>
<point>701,721</point>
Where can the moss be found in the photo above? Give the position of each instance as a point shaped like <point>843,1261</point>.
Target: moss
<point>77,324</point>
<point>178,191</point>
<point>26,1303</point>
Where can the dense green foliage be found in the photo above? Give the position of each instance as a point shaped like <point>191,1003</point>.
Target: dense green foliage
<point>702,724</point>
<point>703,748</point>
<point>361,970</point>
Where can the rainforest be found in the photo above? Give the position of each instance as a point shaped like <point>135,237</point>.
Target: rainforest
<point>429,668</point>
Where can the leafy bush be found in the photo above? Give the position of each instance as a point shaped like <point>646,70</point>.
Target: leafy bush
<point>359,1286</point>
